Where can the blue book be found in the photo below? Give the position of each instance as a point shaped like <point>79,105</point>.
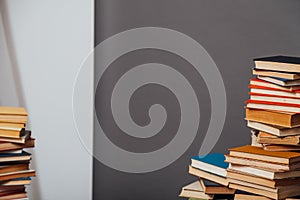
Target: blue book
<point>14,157</point>
<point>212,163</point>
<point>23,153</point>
<point>16,181</point>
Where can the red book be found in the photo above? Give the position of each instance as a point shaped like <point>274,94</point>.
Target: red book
<point>273,91</point>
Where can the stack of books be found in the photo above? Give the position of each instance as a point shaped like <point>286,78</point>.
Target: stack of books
<point>14,161</point>
<point>212,183</point>
<point>270,167</point>
<point>274,106</point>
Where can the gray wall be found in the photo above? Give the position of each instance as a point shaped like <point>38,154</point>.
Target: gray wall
<point>233,33</point>
<point>42,44</point>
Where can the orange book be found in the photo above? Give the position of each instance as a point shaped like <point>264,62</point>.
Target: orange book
<point>11,125</point>
<point>257,153</point>
<point>284,119</point>
<point>13,111</point>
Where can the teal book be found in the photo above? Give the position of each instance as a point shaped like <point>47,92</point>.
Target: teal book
<point>213,163</point>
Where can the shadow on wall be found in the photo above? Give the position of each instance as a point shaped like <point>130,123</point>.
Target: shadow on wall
<point>12,90</point>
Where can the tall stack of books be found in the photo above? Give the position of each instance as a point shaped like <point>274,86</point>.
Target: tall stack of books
<point>14,161</point>
<point>270,167</point>
<point>210,171</point>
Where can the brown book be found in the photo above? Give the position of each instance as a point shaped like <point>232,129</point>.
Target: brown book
<point>8,146</point>
<point>249,197</point>
<point>16,174</point>
<point>280,193</point>
<point>257,153</point>
<point>208,176</point>
<point>14,196</point>
<point>275,167</point>
<point>284,119</point>
<point>251,178</point>
<point>12,188</point>
<point>281,148</point>
<point>266,138</point>
<point>214,188</point>
<point>13,111</point>
<point>284,75</point>
<point>13,168</point>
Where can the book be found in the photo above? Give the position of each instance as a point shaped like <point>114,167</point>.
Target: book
<point>17,181</point>
<point>273,129</point>
<point>276,190</point>
<point>12,125</point>
<point>6,193</point>
<point>13,111</point>
<point>281,81</point>
<point>16,174</point>
<point>266,138</point>
<point>13,119</point>
<point>264,191</point>
<point>273,91</point>
<point>264,82</point>
<point>20,140</point>
<point>208,176</point>
<point>280,148</point>
<point>251,178</point>
<point>11,132</point>
<point>194,190</point>
<point>249,197</point>
<point>210,187</point>
<point>264,172</point>
<point>12,157</point>
<point>284,119</point>
<point>14,196</point>
<point>12,188</point>
<point>212,163</point>
<point>250,152</point>
<point>274,98</point>
<point>276,74</point>
<point>13,168</point>
<point>278,63</point>
<point>272,166</point>
<point>12,151</point>
<point>6,146</point>
<point>266,105</point>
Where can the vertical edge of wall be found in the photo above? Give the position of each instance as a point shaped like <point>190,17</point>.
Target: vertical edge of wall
<point>48,40</point>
